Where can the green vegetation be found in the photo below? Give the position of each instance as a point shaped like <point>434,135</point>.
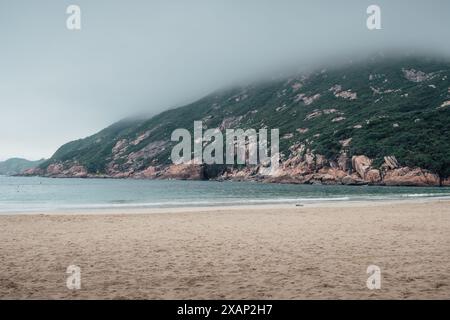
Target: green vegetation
<point>17,165</point>
<point>390,115</point>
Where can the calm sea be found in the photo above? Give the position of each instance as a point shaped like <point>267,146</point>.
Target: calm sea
<point>24,194</point>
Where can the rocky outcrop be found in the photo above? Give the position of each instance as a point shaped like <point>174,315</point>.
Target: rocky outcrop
<point>304,167</point>
<point>305,170</point>
<point>305,99</point>
<point>391,162</point>
<point>445,104</point>
<point>120,147</point>
<point>59,170</point>
<point>352,180</point>
<point>77,172</point>
<point>373,176</point>
<point>361,164</point>
<point>338,119</point>
<point>183,172</point>
<point>345,94</point>
<point>55,169</point>
<point>415,75</point>
<point>410,177</point>
<point>34,172</point>
<point>149,173</point>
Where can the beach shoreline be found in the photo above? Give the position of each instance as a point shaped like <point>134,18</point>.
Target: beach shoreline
<point>314,251</point>
<point>142,209</point>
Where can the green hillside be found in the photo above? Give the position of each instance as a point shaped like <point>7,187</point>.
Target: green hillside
<point>17,165</point>
<point>386,106</point>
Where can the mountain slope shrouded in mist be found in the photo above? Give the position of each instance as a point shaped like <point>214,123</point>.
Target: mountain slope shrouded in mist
<point>380,121</point>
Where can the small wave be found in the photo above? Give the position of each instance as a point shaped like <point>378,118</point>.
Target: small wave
<point>177,203</point>
<point>419,195</point>
<point>166,204</point>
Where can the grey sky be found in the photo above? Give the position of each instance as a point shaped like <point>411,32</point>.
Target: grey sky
<point>136,56</point>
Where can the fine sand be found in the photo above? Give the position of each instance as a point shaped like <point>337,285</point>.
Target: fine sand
<point>270,252</point>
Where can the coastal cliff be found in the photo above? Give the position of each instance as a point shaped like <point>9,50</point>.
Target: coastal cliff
<point>299,170</point>
<point>382,121</point>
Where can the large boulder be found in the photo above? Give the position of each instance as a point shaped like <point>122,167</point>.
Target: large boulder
<point>390,162</point>
<point>321,161</point>
<point>183,172</point>
<point>150,173</point>
<point>373,176</point>
<point>338,174</point>
<point>361,164</point>
<point>410,177</point>
<point>285,179</point>
<point>352,180</point>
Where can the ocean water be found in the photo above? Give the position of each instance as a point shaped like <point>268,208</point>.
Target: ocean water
<point>35,194</point>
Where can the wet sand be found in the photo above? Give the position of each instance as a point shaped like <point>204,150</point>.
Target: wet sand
<point>265,252</point>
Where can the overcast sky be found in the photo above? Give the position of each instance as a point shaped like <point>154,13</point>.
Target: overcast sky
<point>136,56</point>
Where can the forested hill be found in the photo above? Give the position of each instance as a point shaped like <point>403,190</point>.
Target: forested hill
<point>17,165</point>
<point>377,108</point>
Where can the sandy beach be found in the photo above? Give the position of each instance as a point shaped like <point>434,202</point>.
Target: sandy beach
<point>265,252</point>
